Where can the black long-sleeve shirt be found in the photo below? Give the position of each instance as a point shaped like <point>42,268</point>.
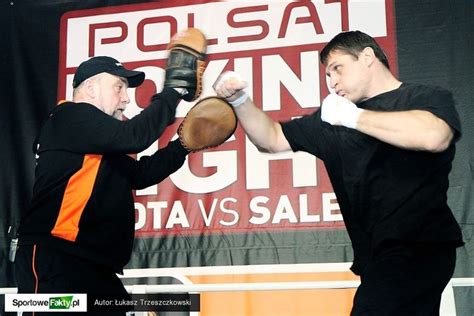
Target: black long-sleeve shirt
<point>82,197</point>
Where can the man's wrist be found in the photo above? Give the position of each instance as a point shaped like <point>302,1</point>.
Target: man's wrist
<point>240,100</point>
<point>353,118</point>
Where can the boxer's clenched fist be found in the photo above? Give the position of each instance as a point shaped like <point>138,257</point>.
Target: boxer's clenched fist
<point>337,110</point>
<point>230,86</point>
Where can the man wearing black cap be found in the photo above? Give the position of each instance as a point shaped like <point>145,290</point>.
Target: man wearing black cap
<point>102,81</point>
<point>79,230</point>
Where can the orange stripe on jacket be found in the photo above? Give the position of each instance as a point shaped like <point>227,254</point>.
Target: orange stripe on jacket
<point>76,196</point>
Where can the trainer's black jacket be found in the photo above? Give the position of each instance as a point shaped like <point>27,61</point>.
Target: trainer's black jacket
<point>82,197</point>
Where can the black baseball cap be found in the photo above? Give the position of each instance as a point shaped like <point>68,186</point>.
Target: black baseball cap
<point>99,64</point>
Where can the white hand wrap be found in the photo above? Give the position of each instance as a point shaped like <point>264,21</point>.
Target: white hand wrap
<point>337,110</point>
<point>230,86</point>
<point>241,99</point>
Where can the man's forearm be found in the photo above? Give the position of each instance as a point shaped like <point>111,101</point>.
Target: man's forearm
<point>262,131</point>
<point>415,130</point>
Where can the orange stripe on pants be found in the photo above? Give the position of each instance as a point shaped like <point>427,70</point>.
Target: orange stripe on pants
<point>76,196</point>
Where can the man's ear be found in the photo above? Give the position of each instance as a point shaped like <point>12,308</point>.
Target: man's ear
<point>90,88</point>
<point>368,55</point>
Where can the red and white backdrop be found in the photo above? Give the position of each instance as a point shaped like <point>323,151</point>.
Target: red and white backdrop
<point>274,216</point>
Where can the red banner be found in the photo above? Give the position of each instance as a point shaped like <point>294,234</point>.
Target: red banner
<point>275,47</point>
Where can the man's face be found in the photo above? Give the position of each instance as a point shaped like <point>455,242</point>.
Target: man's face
<point>112,97</point>
<point>348,76</point>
